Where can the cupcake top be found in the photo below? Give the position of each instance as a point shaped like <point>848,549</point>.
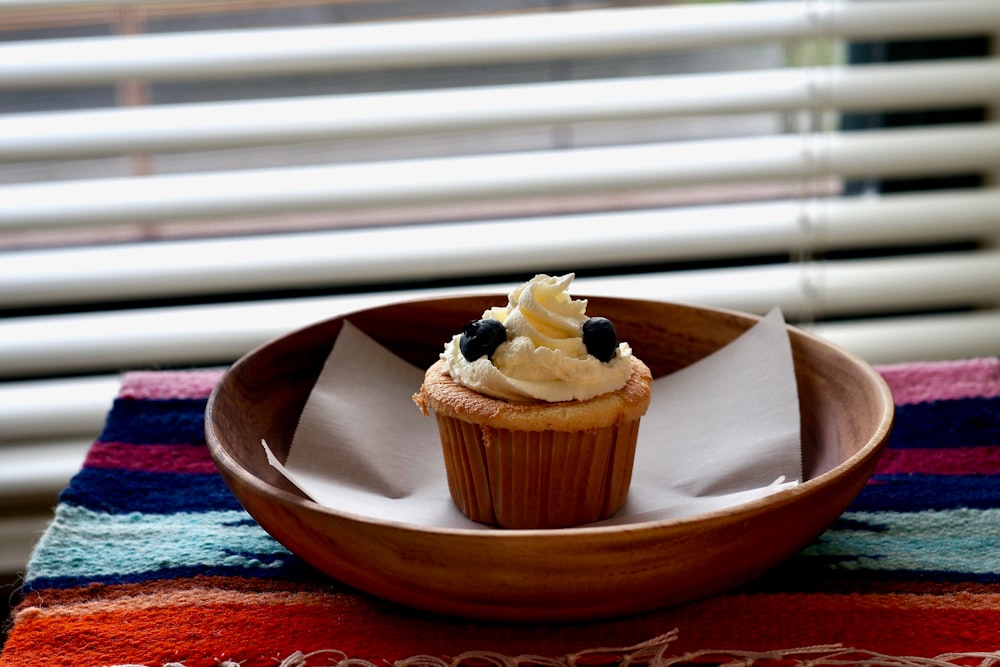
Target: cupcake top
<point>540,347</point>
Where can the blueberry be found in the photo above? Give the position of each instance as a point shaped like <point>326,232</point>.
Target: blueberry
<point>600,337</point>
<point>481,337</point>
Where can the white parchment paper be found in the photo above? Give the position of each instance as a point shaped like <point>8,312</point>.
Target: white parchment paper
<point>718,433</point>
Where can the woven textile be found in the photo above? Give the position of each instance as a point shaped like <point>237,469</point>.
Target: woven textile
<point>149,560</point>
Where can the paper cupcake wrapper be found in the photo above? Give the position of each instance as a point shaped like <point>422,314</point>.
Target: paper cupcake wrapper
<point>537,479</point>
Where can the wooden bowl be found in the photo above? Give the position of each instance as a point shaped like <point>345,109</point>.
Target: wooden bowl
<point>548,575</point>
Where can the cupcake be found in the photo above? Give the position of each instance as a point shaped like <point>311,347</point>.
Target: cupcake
<point>538,409</point>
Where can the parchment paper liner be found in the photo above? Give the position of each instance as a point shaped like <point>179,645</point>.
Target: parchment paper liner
<point>718,433</point>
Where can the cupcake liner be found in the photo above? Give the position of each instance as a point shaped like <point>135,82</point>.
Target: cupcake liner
<point>537,479</point>
<point>466,468</point>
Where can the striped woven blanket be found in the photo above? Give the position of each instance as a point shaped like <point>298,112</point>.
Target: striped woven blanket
<point>149,560</point>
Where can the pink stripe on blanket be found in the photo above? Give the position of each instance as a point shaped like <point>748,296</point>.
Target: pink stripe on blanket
<point>920,382</point>
<point>951,461</point>
<point>150,458</point>
<point>168,384</point>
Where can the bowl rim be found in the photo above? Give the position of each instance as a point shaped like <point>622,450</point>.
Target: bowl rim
<point>875,442</point>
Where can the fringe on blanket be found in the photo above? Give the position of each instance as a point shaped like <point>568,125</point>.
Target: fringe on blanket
<point>651,653</point>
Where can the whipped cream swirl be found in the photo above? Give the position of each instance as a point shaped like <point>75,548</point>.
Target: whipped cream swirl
<point>544,358</point>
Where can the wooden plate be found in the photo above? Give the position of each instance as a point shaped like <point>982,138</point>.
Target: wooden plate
<point>568,574</point>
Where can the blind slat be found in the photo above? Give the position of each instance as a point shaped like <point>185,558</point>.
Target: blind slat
<point>339,258</point>
<point>218,125</point>
<point>473,40</point>
<point>212,334</point>
<point>932,337</point>
<point>35,470</point>
<point>27,408</point>
<point>18,535</point>
<point>538,173</point>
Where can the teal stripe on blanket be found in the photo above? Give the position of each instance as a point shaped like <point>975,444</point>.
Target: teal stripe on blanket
<point>965,541</point>
<point>84,544</point>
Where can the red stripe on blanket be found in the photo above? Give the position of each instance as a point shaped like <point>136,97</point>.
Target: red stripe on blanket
<point>150,458</point>
<point>952,461</point>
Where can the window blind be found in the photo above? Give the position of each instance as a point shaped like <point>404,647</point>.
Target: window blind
<point>181,181</point>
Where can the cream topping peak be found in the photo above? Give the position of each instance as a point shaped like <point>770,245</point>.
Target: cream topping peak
<point>544,357</point>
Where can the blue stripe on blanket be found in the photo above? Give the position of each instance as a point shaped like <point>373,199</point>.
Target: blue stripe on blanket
<point>966,422</point>
<point>915,493</point>
<point>173,421</point>
<point>116,491</point>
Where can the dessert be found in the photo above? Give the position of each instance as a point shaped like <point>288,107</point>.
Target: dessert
<point>538,409</point>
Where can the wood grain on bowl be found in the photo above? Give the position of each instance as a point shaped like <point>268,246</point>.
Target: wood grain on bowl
<point>548,575</point>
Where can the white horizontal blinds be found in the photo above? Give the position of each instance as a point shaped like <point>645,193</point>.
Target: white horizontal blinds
<point>258,122</point>
<point>204,334</point>
<point>618,169</point>
<point>340,184</point>
<point>511,175</point>
<point>469,178</point>
<point>488,39</point>
<point>487,247</point>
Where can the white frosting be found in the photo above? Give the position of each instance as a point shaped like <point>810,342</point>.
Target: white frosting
<point>544,357</point>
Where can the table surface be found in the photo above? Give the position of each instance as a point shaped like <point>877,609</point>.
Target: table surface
<point>149,560</point>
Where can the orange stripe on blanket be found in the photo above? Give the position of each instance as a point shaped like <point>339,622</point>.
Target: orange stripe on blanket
<point>205,627</point>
